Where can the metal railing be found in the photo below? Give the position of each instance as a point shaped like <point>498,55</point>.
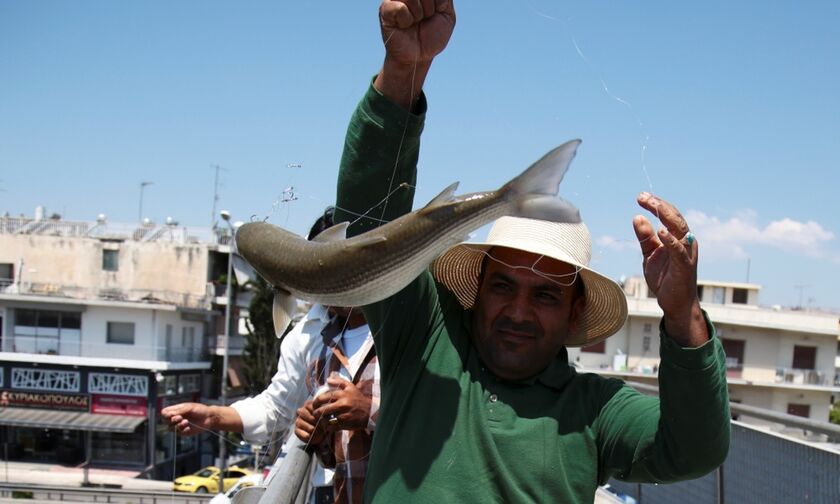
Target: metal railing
<point>802,376</point>
<point>762,466</point>
<point>50,493</point>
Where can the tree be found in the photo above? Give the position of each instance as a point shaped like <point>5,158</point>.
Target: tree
<point>834,413</point>
<point>259,358</point>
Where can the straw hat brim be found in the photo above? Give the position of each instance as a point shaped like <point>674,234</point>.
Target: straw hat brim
<point>604,313</point>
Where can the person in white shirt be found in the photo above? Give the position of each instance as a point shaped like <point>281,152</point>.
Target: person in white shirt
<point>330,346</point>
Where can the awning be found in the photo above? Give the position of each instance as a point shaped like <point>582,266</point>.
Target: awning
<point>70,420</point>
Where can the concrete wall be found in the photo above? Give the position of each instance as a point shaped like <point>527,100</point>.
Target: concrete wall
<point>73,266</point>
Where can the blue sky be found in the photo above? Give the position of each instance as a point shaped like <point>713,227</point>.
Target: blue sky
<point>734,104</point>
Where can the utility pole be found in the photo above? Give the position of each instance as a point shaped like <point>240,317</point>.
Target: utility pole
<point>142,188</point>
<point>225,215</point>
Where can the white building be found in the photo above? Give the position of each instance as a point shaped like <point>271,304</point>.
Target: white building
<point>102,325</point>
<point>782,360</point>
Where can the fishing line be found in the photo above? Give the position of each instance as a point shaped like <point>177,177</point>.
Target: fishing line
<point>552,277</point>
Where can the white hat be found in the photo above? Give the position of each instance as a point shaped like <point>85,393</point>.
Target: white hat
<point>459,269</point>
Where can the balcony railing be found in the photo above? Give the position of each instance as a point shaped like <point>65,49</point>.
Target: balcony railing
<point>75,347</point>
<point>150,296</point>
<point>803,377</point>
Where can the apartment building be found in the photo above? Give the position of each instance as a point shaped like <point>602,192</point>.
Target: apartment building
<point>101,326</point>
<point>777,359</point>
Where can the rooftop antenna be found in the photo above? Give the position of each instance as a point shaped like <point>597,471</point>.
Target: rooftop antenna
<point>142,188</point>
<point>801,288</point>
<point>215,195</point>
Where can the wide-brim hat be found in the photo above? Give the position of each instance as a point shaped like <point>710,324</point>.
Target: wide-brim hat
<point>459,269</point>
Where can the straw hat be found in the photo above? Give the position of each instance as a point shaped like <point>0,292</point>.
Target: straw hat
<point>459,269</point>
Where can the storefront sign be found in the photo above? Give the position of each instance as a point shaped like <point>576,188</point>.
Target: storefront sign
<point>46,400</point>
<point>119,405</point>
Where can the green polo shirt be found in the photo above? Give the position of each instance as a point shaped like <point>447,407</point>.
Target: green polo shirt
<point>450,431</point>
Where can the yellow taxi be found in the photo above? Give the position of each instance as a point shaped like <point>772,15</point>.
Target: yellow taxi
<point>207,480</point>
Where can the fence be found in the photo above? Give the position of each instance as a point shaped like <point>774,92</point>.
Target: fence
<point>761,467</point>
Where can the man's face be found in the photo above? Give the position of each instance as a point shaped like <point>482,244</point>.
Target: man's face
<point>521,317</point>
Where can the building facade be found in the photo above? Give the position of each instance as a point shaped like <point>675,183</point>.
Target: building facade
<point>101,326</point>
<point>782,360</point>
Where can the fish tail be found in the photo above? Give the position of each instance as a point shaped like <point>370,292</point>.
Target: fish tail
<point>533,193</point>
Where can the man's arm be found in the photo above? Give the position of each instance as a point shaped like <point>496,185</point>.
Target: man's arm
<point>686,433</point>
<point>190,419</point>
<point>379,163</point>
<point>274,409</point>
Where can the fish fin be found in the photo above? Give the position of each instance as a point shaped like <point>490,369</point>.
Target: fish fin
<point>544,176</point>
<point>282,311</point>
<point>445,196</point>
<point>548,208</point>
<point>534,191</point>
<point>362,240</point>
<point>334,233</point>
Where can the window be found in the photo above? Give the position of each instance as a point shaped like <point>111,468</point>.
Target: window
<point>7,274</point>
<point>168,386</point>
<point>50,332</point>
<point>700,292</point>
<point>110,260</point>
<point>599,347</point>
<point>121,332</point>
<point>734,350</point>
<point>804,357</point>
<point>802,410</point>
<point>739,296</point>
<point>646,343</point>
<point>189,383</point>
<point>718,295</point>
<point>648,328</point>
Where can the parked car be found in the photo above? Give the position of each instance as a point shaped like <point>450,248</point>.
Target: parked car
<point>207,480</point>
<point>244,482</point>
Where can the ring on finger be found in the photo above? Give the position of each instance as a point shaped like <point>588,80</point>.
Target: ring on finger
<point>333,420</point>
<point>689,237</point>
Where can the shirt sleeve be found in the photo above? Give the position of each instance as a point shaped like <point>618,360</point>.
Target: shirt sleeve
<point>274,409</point>
<point>378,168</point>
<point>376,183</point>
<point>682,435</point>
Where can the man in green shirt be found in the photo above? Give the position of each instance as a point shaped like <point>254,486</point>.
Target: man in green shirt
<point>479,403</point>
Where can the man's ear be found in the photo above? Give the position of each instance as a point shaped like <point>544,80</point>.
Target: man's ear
<point>578,306</point>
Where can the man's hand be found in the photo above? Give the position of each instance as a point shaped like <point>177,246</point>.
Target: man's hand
<point>670,266</point>
<point>189,419</point>
<point>414,32</point>
<point>349,407</point>
<point>308,428</point>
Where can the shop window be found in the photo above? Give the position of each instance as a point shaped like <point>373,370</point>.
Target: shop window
<point>189,383</point>
<point>110,260</point>
<point>169,385</point>
<point>121,333</point>
<point>599,347</point>
<point>119,448</point>
<point>739,296</point>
